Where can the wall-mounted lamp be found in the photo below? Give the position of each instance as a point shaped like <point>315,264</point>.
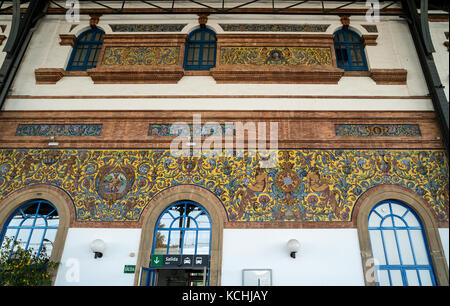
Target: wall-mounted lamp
<point>293,246</point>
<point>98,246</point>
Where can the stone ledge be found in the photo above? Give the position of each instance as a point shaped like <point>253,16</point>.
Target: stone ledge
<point>128,75</point>
<point>280,75</point>
<point>369,39</point>
<point>389,76</point>
<point>48,75</point>
<point>111,75</point>
<point>67,39</point>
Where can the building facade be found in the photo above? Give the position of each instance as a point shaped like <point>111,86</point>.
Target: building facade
<point>105,96</point>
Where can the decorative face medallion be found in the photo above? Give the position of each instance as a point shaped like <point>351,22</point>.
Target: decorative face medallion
<point>114,182</point>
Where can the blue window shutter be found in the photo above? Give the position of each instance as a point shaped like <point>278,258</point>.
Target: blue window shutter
<point>86,50</point>
<point>349,48</point>
<point>201,47</point>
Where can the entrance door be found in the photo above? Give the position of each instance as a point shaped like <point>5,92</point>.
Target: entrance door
<point>174,277</point>
<point>182,246</point>
<point>180,277</point>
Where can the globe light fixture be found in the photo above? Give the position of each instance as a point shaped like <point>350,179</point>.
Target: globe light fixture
<point>293,246</point>
<point>98,247</point>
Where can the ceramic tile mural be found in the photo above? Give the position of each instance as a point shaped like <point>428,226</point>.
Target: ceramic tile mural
<point>138,56</point>
<point>242,27</point>
<point>368,130</point>
<point>59,130</point>
<point>204,130</point>
<point>307,185</point>
<point>147,27</point>
<point>275,56</point>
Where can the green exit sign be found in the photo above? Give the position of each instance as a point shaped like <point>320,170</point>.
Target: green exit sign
<point>156,261</point>
<point>129,269</point>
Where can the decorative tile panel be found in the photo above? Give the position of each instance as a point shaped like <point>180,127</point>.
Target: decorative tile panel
<point>147,27</point>
<point>241,27</point>
<point>370,130</point>
<point>205,130</point>
<point>275,56</point>
<point>306,185</point>
<point>141,56</point>
<point>59,130</point>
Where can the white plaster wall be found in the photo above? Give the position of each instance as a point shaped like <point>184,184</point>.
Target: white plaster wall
<point>407,57</point>
<point>18,104</point>
<point>196,85</point>
<point>326,256</point>
<point>443,232</point>
<point>79,268</point>
<point>395,49</point>
<point>441,56</point>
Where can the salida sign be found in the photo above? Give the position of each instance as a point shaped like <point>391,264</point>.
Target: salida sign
<point>179,261</point>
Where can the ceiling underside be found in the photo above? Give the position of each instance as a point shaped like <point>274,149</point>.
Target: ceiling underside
<point>228,6</point>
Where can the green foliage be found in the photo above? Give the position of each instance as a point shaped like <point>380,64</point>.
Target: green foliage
<point>24,267</point>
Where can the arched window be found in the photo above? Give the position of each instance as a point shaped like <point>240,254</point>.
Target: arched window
<point>86,50</point>
<point>399,246</point>
<point>183,228</point>
<point>33,225</point>
<point>200,51</point>
<point>349,51</point>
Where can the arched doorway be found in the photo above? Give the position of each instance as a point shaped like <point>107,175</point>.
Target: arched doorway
<point>181,246</point>
<point>198,202</point>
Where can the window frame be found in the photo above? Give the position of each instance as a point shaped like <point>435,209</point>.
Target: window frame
<point>209,201</point>
<point>348,45</point>
<point>427,216</point>
<point>89,44</point>
<point>401,266</point>
<point>182,229</point>
<point>202,43</point>
<point>34,216</point>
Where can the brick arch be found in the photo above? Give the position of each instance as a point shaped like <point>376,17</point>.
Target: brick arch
<point>375,195</point>
<point>169,196</point>
<point>381,192</point>
<point>54,195</point>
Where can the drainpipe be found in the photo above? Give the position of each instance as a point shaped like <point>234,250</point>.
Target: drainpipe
<point>418,26</point>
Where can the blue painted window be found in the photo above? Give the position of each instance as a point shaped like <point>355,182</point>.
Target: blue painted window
<point>200,51</point>
<point>33,225</point>
<point>183,228</point>
<point>349,51</point>
<point>86,50</point>
<point>399,246</point>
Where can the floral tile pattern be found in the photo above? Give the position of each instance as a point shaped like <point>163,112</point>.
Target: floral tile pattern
<point>306,185</point>
<point>243,27</point>
<point>147,27</point>
<point>205,130</point>
<point>369,130</point>
<point>275,56</point>
<point>140,56</point>
<point>59,130</point>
